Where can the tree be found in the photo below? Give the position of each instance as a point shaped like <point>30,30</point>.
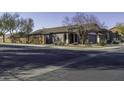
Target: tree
<point>67,21</point>
<point>4,24</point>
<point>8,24</point>
<point>26,27</point>
<point>118,30</point>
<point>83,23</point>
<point>20,31</point>
<point>2,32</point>
<point>12,24</point>
<point>81,19</point>
<point>120,27</point>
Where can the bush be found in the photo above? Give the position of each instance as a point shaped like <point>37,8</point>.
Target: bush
<point>103,42</point>
<point>115,42</point>
<point>76,43</point>
<point>122,39</point>
<point>87,43</point>
<point>59,43</point>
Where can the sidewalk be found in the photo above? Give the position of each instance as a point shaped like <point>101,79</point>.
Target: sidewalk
<point>70,47</point>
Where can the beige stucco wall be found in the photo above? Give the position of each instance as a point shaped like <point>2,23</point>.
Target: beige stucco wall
<point>1,39</point>
<point>38,39</point>
<point>7,39</point>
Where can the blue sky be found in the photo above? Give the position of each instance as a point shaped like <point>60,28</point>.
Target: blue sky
<point>53,19</point>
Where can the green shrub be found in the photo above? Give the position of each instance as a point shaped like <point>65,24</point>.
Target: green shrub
<point>102,43</point>
<point>115,42</point>
<point>59,43</point>
<point>76,43</point>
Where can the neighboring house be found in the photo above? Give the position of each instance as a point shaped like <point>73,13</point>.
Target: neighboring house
<point>115,33</point>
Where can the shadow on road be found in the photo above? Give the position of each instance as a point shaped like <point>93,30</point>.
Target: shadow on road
<point>19,57</point>
<point>109,61</point>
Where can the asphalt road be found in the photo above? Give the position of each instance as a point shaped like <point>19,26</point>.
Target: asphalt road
<point>27,63</point>
<point>106,67</point>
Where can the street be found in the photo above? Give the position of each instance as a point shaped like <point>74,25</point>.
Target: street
<point>44,64</point>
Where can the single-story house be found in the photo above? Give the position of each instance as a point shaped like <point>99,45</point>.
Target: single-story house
<point>69,35</point>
